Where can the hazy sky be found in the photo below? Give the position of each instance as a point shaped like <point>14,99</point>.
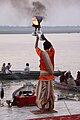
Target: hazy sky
<point>56,12</point>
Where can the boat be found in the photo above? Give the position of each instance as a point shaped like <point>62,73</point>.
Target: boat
<point>23,96</point>
<point>15,75</point>
<point>65,86</point>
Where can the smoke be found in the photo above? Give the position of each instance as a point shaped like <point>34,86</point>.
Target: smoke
<point>29,8</point>
<point>26,9</point>
<point>38,9</point>
<point>55,12</point>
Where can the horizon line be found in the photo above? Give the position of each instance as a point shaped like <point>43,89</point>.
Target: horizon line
<point>45,29</point>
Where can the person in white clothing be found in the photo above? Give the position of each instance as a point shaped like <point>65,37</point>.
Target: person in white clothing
<point>8,67</point>
<point>71,81</point>
<point>27,68</point>
<point>3,69</point>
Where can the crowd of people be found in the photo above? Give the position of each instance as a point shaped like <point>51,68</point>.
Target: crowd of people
<point>67,78</point>
<point>7,68</point>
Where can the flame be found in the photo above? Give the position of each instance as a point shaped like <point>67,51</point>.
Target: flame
<point>34,21</point>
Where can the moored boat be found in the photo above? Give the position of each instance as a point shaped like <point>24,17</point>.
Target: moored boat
<point>24,96</point>
<point>22,75</point>
<point>66,86</point>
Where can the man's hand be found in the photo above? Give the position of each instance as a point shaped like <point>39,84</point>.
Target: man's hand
<point>37,37</point>
<point>36,43</point>
<point>43,37</point>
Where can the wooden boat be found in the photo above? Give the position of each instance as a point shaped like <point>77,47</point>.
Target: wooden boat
<point>24,96</point>
<point>66,86</point>
<point>22,75</point>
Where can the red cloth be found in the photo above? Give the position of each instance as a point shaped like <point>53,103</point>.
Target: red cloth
<point>27,100</point>
<point>66,117</point>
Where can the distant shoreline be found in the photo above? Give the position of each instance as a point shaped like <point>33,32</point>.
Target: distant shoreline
<point>45,29</point>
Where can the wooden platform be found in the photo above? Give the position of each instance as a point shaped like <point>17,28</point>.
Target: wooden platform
<point>65,109</point>
<point>43,112</point>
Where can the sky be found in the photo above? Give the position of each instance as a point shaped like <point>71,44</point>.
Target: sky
<point>55,12</point>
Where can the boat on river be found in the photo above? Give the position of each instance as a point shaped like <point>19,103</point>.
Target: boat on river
<point>65,86</point>
<point>15,75</point>
<point>24,96</point>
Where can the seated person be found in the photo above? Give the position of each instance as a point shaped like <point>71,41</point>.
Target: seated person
<point>27,68</point>
<point>25,93</point>
<point>71,81</point>
<point>8,68</point>
<point>67,75</point>
<point>21,94</point>
<point>3,69</point>
<point>78,79</point>
<point>62,78</point>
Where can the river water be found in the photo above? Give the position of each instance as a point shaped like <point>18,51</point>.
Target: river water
<point>19,49</point>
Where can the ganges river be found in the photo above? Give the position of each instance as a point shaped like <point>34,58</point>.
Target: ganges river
<point>19,49</point>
